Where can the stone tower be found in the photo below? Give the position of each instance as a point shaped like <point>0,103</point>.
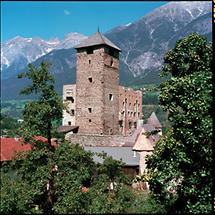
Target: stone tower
<point>97,86</point>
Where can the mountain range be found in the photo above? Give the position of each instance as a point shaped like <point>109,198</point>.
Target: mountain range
<point>18,52</point>
<point>143,44</point>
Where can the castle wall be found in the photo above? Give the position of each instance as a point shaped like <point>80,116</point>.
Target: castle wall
<point>130,109</point>
<point>111,94</point>
<point>89,91</point>
<point>96,140</point>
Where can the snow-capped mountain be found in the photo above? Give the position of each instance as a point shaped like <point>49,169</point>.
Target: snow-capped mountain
<point>18,52</point>
<point>70,40</point>
<point>143,44</point>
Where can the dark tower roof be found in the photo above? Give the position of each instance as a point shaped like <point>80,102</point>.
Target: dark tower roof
<point>153,120</point>
<point>97,39</point>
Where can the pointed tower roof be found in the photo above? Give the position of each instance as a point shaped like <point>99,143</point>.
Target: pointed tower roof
<point>153,120</point>
<point>97,39</point>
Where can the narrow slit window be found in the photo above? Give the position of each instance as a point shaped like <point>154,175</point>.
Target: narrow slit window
<point>111,97</point>
<point>90,120</point>
<point>130,125</point>
<point>111,62</point>
<point>90,79</point>
<point>89,61</point>
<point>90,110</point>
<point>72,112</point>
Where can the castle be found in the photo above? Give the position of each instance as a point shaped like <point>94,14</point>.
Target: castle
<point>103,116</point>
<point>97,104</point>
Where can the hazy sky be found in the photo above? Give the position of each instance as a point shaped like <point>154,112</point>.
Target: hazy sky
<point>55,19</point>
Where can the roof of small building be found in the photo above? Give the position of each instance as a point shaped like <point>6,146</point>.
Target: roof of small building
<point>11,146</point>
<point>149,127</point>
<point>153,120</point>
<point>117,153</point>
<point>66,128</point>
<point>146,142</point>
<point>97,39</point>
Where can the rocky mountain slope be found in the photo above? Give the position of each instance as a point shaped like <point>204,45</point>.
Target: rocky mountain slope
<point>143,44</point>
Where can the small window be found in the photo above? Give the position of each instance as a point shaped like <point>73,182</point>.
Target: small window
<point>111,62</point>
<point>123,103</point>
<point>130,125</point>
<point>69,123</point>
<point>90,79</point>
<point>89,51</point>
<point>135,124</point>
<point>70,98</point>
<point>111,52</point>
<point>134,114</point>
<point>72,112</point>
<point>111,97</point>
<point>90,110</point>
<point>89,61</point>
<point>134,155</point>
<point>90,120</point>
<point>130,104</point>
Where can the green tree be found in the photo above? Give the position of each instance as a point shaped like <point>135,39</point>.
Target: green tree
<point>181,164</point>
<point>47,181</point>
<point>65,171</point>
<point>39,115</point>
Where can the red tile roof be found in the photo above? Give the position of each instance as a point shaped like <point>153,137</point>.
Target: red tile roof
<point>10,146</point>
